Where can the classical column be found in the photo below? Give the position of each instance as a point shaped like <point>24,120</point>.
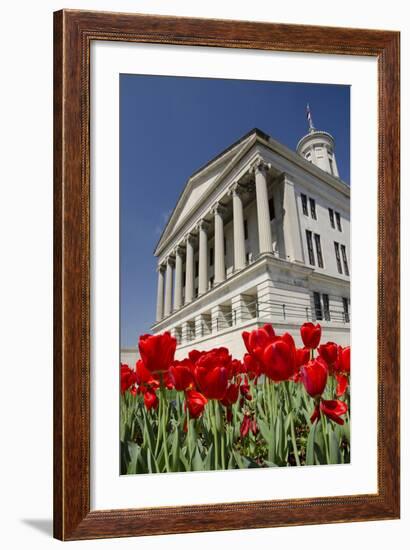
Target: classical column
<point>178,278</point>
<point>189,269</point>
<point>291,223</point>
<point>260,169</point>
<point>219,247</point>
<point>168,286</point>
<point>160,292</point>
<point>203,257</point>
<point>239,253</point>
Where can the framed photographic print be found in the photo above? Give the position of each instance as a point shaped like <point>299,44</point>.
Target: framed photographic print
<point>226,275</point>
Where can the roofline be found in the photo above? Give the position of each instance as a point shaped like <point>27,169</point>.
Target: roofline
<point>270,142</point>
<point>255,131</point>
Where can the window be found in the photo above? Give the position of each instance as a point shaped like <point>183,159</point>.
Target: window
<point>304,204</point>
<point>245,228</point>
<point>310,247</point>
<point>196,268</point>
<point>312,204</point>
<point>338,221</point>
<point>346,310</point>
<point>344,258</point>
<point>211,282</point>
<point>332,171</point>
<point>318,306</point>
<point>211,256</point>
<point>339,263</point>
<point>331,218</point>
<point>326,309</point>
<point>318,251</point>
<point>271,209</point>
<point>183,278</point>
<point>225,246</point>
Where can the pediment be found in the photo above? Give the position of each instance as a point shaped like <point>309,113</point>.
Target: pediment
<point>199,184</point>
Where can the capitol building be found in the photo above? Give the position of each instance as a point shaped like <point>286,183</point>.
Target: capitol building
<point>260,234</point>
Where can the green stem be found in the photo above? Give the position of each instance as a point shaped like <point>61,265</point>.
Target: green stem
<point>164,427</point>
<point>292,425</point>
<point>219,408</point>
<point>325,436</point>
<point>215,433</point>
<point>159,431</point>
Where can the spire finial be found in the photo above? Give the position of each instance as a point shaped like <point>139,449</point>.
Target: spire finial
<point>310,120</point>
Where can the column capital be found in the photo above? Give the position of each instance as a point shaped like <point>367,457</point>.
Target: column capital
<point>161,268</point>
<point>170,260</point>
<point>219,208</point>
<point>202,225</point>
<point>236,188</point>
<point>190,239</point>
<point>179,250</point>
<point>260,165</point>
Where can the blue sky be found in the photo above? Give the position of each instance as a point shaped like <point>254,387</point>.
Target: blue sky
<point>169,127</point>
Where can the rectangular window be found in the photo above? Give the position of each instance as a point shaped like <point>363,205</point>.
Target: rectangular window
<point>304,204</point>
<point>344,258</point>
<point>310,247</point>
<point>331,218</point>
<point>312,204</point>
<point>225,246</point>
<point>338,221</point>
<point>318,306</point>
<point>271,209</point>
<point>211,256</point>
<point>245,228</point>
<point>318,251</point>
<point>183,278</point>
<point>196,268</point>
<point>332,171</point>
<point>326,309</point>
<point>339,263</point>
<point>346,310</point>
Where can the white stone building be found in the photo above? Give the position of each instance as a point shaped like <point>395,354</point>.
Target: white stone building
<point>259,234</point>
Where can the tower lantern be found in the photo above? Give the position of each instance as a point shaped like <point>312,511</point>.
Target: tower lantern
<point>318,147</point>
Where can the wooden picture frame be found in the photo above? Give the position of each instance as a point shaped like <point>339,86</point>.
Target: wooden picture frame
<point>74,32</point>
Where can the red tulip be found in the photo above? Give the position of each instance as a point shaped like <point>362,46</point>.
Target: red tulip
<point>254,427</point>
<point>150,399</point>
<point>231,395</point>
<point>342,363</point>
<point>332,408</point>
<point>328,352</point>
<point>314,377</point>
<point>211,373</point>
<point>302,356</point>
<point>252,366</point>
<point>342,370</point>
<point>245,390</point>
<point>257,340</point>
<point>279,359</point>
<point>128,377</point>
<point>143,375</point>
<point>310,334</point>
<point>181,374</point>
<point>157,351</point>
<point>195,403</point>
<point>245,426</point>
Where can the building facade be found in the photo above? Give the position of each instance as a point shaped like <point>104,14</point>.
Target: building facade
<point>260,234</point>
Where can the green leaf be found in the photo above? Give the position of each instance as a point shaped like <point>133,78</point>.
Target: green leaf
<point>197,463</point>
<point>334,449</point>
<point>209,458</point>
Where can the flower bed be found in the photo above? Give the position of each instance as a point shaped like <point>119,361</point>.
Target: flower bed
<point>279,406</point>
